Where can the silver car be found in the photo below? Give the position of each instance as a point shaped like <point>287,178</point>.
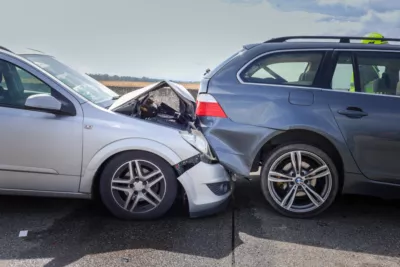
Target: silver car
<point>63,134</point>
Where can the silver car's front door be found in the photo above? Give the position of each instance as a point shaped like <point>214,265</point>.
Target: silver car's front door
<point>38,150</point>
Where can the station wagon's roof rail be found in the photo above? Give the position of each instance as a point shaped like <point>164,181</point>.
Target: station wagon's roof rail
<point>342,39</point>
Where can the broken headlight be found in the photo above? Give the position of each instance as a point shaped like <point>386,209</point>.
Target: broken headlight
<point>199,142</point>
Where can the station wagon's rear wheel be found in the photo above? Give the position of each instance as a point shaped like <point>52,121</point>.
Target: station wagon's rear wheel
<point>138,185</point>
<point>299,180</point>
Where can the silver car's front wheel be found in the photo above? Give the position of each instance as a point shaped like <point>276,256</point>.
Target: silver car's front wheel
<point>299,180</point>
<point>138,185</point>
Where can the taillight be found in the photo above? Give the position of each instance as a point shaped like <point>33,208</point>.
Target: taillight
<point>208,106</point>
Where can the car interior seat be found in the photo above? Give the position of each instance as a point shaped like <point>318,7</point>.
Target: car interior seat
<point>2,90</point>
<point>387,84</point>
<point>307,77</point>
<point>380,85</point>
<point>398,88</point>
<point>393,76</point>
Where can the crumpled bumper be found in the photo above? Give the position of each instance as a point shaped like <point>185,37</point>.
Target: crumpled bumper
<point>208,188</point>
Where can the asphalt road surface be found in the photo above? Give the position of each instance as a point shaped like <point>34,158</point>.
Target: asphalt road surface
<point>356,231</point>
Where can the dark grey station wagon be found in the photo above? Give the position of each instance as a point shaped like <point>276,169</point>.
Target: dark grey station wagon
<point>319,117</point>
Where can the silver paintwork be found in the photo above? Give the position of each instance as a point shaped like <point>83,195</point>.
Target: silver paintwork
<point>299,183</point>
<point>195,180</point>
<point>43,101</point>
<point>45,154</point>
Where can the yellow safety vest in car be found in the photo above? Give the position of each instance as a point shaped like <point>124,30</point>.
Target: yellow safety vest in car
<point>368,88</point>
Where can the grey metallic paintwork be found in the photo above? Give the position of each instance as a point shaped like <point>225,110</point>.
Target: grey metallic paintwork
<point>358,184</point>
<point>235,143</point>
<point>264,108</point>
<point>369,146</point>
<point>374,140</point>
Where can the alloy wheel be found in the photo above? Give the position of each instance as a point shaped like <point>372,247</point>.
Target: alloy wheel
<point>299,181</point>
<point>138,186</point>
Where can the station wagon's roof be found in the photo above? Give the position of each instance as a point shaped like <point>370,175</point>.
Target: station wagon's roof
<point>328,45</point>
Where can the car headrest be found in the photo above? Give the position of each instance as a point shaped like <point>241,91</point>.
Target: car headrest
<point>386,79</point>
<point>308,76</point>
<point>398,89</point>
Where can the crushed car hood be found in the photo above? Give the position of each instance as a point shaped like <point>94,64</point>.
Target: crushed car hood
<point>180,90</point>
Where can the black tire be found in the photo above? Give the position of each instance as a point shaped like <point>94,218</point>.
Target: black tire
<point>115,163</point>
<point>280,152</point>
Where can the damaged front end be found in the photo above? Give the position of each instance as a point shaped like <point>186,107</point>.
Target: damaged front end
<point>165,103</point>
<point>207,184</point>
<point>170,104</point>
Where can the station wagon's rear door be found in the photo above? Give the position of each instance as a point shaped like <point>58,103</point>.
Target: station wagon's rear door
<point>368,118</point>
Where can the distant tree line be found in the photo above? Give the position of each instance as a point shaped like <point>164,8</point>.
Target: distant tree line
<point>106,77</point>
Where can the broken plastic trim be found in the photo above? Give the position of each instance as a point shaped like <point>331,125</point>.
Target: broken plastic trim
<point>189,163</point>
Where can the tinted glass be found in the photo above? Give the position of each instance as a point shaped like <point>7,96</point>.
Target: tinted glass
<point>17,85</point>
<point>294,68</point>
<point>379,72</point>
<point>81,83</point>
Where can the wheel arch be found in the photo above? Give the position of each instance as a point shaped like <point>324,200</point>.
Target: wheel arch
<point>103,156</point>
<point>304,136</point>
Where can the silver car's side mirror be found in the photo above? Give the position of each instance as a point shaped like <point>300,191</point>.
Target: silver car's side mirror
<point>43,102</point>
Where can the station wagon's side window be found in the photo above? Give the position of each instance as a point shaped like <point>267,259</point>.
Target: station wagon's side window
<point>378,73</point>
<point>17,85</point>
<point>289,68</point>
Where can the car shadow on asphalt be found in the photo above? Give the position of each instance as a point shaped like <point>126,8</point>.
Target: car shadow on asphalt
<point>67,230</point>
<point>85,228</point>
<point>353,223</point>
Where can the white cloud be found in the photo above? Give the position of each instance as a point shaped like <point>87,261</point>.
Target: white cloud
<point>354,3</point>
<point>376,5</point>
<point>361,16</point>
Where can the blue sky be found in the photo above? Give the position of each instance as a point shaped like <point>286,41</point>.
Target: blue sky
<point>178,39</point>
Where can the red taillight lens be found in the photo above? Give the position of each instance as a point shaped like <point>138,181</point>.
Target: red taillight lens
<point>208,106</point>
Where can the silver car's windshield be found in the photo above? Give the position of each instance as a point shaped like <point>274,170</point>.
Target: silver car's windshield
<point>81,83</point>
